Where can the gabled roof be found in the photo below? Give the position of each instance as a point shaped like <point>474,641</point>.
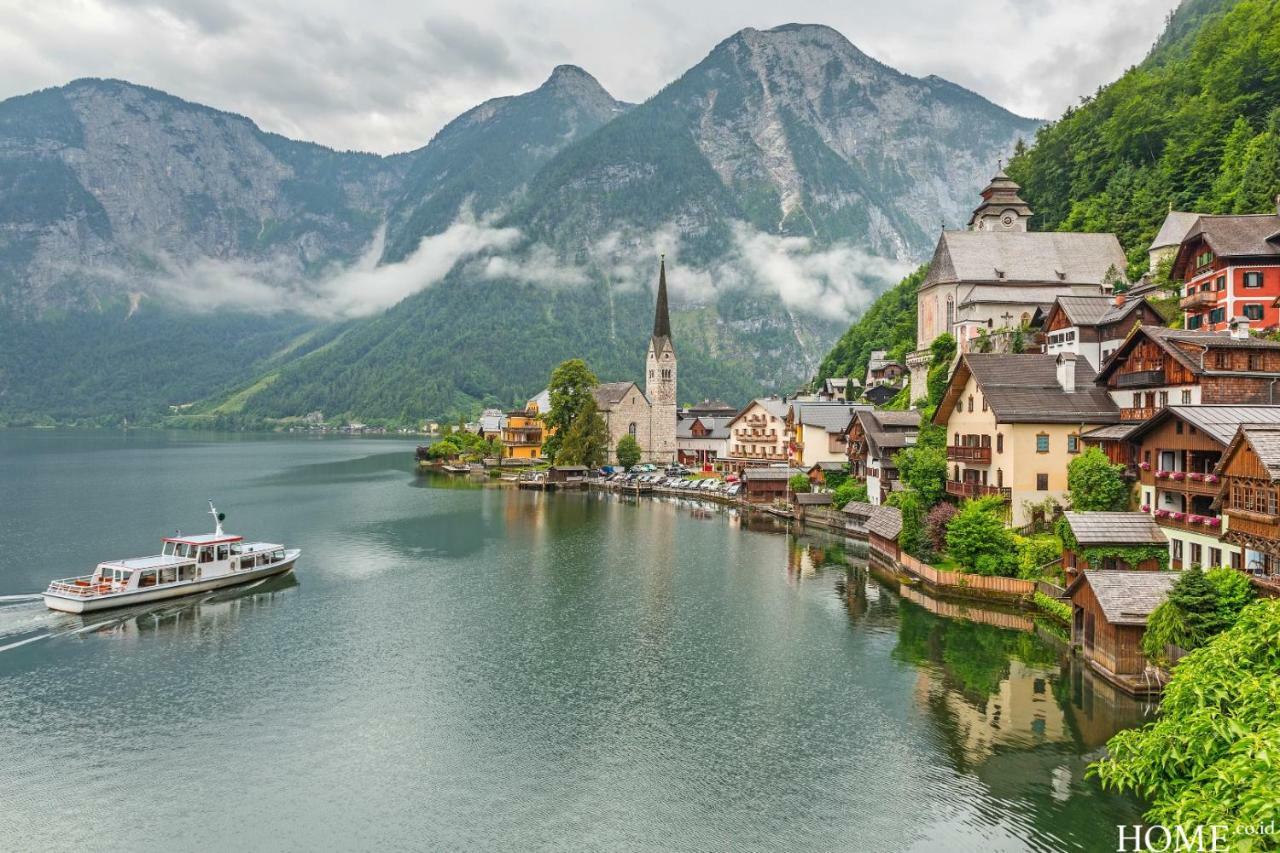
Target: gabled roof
<point>1247,235</point>
<point>813,498</point>
<point>1264,440</point>
<point>1218,422</point>
<point>830,465</point>
<point>1127,598</point>
<point>718,427</point>
<point>1095,310</point>
<point>775,406</point>
<point>889,430</point>
<point>1114,528</point>
<point>1113,432</point>
<point>825,415</point>
<point>1024,256</point>
<point>885,522</point>
<point>610,394</point>
<point>1024,388</point>
<point>1174,229</point>
<point>859,509</point>
<point>764,474</point>
<point>1187,348</point>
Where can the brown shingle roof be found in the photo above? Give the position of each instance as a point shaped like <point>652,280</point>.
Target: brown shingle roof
<point>1127,598</point>
<point>813,498</point>
<point>1024,388</point>
<point>1190,355</point>
<point>885,522</point>
<point>760,474</point>
<point>610,394</point>
<point>1025,256</point>
<point>859,509</point>
<point>1114,528</point>
<point>1234,236</point>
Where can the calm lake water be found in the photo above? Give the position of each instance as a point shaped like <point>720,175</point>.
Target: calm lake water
<point>458,667</point>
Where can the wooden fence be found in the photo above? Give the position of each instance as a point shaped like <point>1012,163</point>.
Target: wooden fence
<point>960,580</point>
<point>1051,589</point>
<point>953,610</point>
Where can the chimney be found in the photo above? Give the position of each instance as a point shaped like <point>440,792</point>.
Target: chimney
<point>1067,371</point>
<point>1239,328</point>
<point>1119,300</point>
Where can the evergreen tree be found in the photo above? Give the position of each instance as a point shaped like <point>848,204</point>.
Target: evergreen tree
<point>571,385</point>
<point>586,441</point>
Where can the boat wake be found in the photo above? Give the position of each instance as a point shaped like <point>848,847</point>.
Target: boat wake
<point>5,599</point>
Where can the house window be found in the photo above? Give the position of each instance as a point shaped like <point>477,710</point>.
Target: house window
<point>1137,399</point>
<point>1177,427</point>
<point>1253,311</point>
<point>1164,399</point>
<point>1221,360</point>
<point>1220,283</point>
<point>1042,443</point>
<point>1235,560</point>
<point>1073,443</point>
<point>971,402</point>
<point>1194,321</point>
<point>1253,279</point>
<point>1196,553</point>
<point>999,442</point>
<point>951,312</point>
<point>984,404</point>
<point>1042,482</point>
<point>1000,478</point>
<point>1217,315</point>
<point>1204,258</point>
<point>1175,549</point>
<point>1215,557</point>
<point>631,429</point>
<point>1255,361</point>
<point>1186,396</point>
<point>957,441</point>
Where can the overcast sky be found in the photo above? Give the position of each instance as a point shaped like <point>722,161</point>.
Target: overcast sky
<point>385,75</point>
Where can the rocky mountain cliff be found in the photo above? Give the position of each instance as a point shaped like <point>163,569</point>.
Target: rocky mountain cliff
<point>788,176</point>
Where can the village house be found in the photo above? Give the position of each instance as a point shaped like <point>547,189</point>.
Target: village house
<point>709,408</point>
<point>1169,238</point>
<point>1013,424</point>
<point>818,471</point>
<point>884,526</point>
<point>1230,267</point>
<point>1155,367</point>
<point>765,485</point>
<point>1176,453</point>
<point>882,370</point>
<point>1109,535</point>
<point>994,276</point>
<point>523,432</point>
<point>1093,326</point>
<point>1250,500</point>
<point>873,438</point>
<point>702,440</point>
<point>491,423</point>
<point>816,432</point>
<point>839,390</point>
<point>880,395</point>
<point>758,434</point>
<point>1109,611</point>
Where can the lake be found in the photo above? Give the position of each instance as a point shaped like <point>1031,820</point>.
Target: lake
<point>464,666</point>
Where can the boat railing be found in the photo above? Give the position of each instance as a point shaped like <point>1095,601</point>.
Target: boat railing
<point>83,585</point>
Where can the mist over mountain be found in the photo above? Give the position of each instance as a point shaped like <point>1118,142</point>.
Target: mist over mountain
<point>788,177</point>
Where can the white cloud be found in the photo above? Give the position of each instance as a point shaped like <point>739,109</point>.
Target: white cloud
<point>386,76</point>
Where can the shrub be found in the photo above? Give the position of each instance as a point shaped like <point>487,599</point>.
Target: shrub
<point>1059,610</point>
<point>978,539</point>
<point>912,538</point>
<point>1233,590</point>
<point>935,525</point>
<point>799,483</point>
<point>1036,551</point>
<point>1095,484</point>
<point>848,491</point>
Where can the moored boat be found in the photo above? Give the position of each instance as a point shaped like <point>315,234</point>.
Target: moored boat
<point>186,565</point>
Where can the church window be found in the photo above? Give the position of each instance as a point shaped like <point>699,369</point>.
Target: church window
<point>951,312</point>
<point>971,402</point>
<point>651,373</point>
<point>666,374</point>
<point>631,429</point>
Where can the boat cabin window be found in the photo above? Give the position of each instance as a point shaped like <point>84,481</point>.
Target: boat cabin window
<point>236,548</point>
<point>187,572</point>
<point>223,551</point>
<point>206,554</point>
<point>247,562</point>
<point>168,549</point>
<point>168,574</point>
<point>277,556</point>
<point>147,578</point>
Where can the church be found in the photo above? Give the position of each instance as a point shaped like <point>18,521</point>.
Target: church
<point>989,278</point>
<point>648,415</point>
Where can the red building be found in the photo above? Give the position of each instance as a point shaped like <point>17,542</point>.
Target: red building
<point>1230,266</point>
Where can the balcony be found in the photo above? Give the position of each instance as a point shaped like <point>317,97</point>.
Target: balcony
<point>955,488</point>
<point>1138,413</point>
<point>1198,300</point>
<point>1140,378</point>
<point>1191,482</point>
<point>963,453</point>
<point>1210,525</point>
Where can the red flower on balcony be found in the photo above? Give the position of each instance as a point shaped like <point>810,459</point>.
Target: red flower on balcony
<point>1162,474</point>
<point>1213,521</point>
<point>1211,478</point>
<point>1194,519</point>
<point>1162,513</point>
<point>1177,475</point>
<point>1176,516</point>
<point>1145,507</point>
<point>1145,466</point>
<point>1195,476</point>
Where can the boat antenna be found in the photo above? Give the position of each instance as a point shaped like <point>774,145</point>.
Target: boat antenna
<point>218,518</point>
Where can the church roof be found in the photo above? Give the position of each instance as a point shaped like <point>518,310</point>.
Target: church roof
<point>610,394</point>
<point>661,315</point>
<point>1175,227</point>
<point>1013,257</point>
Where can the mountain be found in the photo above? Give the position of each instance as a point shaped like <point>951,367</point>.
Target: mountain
<point>788,176</point>
<point>1195,126</point>
<point>484,156</point>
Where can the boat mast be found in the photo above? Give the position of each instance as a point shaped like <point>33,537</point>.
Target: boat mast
<point>217,519</point>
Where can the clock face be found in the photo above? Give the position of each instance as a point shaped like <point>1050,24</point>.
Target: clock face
<point>1007,219</point>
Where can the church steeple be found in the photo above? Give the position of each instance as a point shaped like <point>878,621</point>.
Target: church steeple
<point>661,318</point>
<point>1002,209</point>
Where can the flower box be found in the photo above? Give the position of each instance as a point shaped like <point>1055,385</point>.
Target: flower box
<point>1211,478</point>
<point>1162,513</point>
<point>1178,475</point>
<point>1146,507</point>
<point>1195,476</point>
<point>1176,516</point>
<point>1194,519</point>
<point>1162,474</point>
<point>1213,522</point>
<point>1145,466</point>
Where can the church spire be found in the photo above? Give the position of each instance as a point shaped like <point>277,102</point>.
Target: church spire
<point>661,319</point>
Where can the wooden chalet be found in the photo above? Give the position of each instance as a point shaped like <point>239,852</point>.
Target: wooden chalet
<point>1093,326</point>
<point>1155,368</point>
<point>1103,529</point>
<point>764,485</point>
<point>883,528</point>
<point>1109,611</point>
<point>1250,499</point>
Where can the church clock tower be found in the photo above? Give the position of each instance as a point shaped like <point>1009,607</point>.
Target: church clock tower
<point>660,378</point>
<point>1002,209</point>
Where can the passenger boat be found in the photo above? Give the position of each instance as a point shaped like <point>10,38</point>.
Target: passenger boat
<point>186,565</point>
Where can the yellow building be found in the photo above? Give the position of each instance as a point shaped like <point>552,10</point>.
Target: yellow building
<point>524,432</point>
<point>1013,424</point>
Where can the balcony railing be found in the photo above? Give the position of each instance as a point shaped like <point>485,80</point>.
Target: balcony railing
<point>1199,300</point>
<point>1185,481</point>
<point>1140,378</point>
<point>963,453</point>
<point>960,489</point>
<point>1190,521</point>
<point>1137,413</point>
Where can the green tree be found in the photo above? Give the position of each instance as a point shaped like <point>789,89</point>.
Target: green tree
<point>586,442</point>
<point>850,490</point>
<point>1213,756</point>
<point>1233,590</point>
<point>1187,618</point>
<point>924,470</point>
<point>912,539</point>
<point>978,540</point>
<point>799,483</point>
<point>1094,484</point>
<point>571,386</point>
<point>628,451</point>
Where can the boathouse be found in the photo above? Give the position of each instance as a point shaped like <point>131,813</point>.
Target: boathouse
<point>1109,611</point>
<point>883,526</point>
<point>856,514</point>
<point>1115,540</point>
<point>567,475</point>
<point>762,485</point>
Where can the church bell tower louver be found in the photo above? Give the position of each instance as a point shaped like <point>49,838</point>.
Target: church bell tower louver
<point>660,378</point>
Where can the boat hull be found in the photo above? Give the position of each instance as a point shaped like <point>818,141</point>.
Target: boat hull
<point>74,604</point>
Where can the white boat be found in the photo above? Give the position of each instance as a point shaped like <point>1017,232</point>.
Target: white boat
<point>186,565</point>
